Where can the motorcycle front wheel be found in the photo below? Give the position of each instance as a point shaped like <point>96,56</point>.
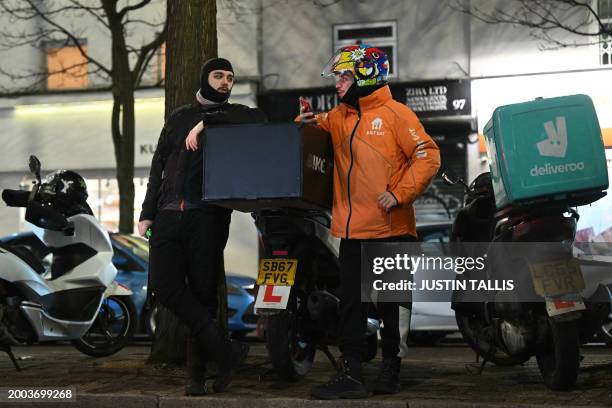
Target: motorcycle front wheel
<point>559,358</point>
<point>473,329</point>
<point>112,330</point>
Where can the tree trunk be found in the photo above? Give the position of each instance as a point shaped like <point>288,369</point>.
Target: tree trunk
<point>123,130</point>
<point>123,122</point>
<point>125,168</point>
<point>191,40</point>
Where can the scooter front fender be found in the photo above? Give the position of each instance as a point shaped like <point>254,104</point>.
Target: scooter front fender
<point>117,289</point>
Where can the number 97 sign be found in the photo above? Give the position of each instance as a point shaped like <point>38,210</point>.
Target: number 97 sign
<point>458,104</point>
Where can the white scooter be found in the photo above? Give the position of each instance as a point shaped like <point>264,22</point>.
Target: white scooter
<point>76,299</point>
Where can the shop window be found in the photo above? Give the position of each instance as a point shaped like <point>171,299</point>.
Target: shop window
<point>381,34</point>
<point>66,66</point>
<point>104,200</point>
<point>605,40</point>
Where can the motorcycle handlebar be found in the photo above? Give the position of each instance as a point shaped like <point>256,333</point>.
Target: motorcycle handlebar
<point>15,198</point>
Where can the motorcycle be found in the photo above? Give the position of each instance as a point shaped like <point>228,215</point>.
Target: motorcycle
<point>299,277</point>
<point>505,331</point>
<point>77,298</point>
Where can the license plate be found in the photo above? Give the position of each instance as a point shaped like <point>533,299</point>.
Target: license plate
<point>557,277</point>
<point>277,272</point>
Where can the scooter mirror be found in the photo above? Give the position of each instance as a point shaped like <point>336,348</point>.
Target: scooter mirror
<point>35,166</point>
<point>451,181</point>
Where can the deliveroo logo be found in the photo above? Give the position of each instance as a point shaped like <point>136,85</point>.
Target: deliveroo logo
<point>555,146</point>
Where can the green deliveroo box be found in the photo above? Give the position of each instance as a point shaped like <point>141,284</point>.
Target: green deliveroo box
<point>546,150</point>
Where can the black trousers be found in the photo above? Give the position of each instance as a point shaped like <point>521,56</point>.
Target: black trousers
<point>354,313</point>
<point>186,252</point>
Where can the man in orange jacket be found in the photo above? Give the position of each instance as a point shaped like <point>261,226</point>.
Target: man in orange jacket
<point>383,160</point>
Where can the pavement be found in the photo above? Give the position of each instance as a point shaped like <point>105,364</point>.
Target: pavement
<point>441,376</point>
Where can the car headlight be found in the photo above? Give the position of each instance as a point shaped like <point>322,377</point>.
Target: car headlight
<point>233,290</point>
<point>250,289</point>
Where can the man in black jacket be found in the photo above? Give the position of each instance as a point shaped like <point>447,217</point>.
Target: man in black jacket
<point>188,236</point>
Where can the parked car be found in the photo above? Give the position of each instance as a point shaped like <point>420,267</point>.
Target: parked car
<point>605,332</point>
<point>131,258</point>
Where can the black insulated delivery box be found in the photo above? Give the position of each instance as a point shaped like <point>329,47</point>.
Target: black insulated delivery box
<point>274,165</point>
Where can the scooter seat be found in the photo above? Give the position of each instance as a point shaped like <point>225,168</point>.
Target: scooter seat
<point>26,255</point>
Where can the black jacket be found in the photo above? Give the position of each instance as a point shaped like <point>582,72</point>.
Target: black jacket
<point>177,173</point>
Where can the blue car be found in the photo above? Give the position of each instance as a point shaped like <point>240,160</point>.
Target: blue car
<point>131,258</point>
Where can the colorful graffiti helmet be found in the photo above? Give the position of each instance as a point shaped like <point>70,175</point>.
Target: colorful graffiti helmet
<point>369,65</point>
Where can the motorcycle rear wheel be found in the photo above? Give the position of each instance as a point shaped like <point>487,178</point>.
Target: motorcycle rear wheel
<point>559,360</point>
<point>291,358</point>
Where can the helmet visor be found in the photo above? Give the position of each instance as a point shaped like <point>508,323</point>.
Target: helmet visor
<point>342,61</point>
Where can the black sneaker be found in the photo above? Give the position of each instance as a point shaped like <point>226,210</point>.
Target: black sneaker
<point>226,366</point>
<point>226,355</point>
<point>346,384</point>
<point>387,381</point>
<point>195,388</point>
<point>195,367</point>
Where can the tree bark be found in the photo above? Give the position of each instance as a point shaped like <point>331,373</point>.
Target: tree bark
<point>191,40</point>
<point>125,168</point>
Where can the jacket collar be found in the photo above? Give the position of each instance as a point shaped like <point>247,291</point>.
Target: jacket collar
<point>377,98</point>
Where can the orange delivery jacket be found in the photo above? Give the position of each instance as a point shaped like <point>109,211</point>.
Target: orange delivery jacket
<point>383,147</point>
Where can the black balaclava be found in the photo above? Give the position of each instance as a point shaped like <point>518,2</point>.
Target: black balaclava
<point>207,91</point>
<point>352,95</point>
